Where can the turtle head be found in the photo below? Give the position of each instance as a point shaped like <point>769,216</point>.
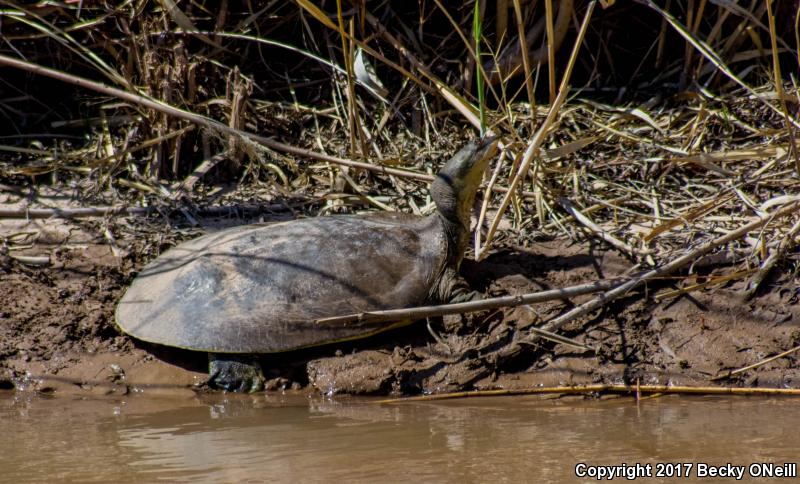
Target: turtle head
<point>454,188</point>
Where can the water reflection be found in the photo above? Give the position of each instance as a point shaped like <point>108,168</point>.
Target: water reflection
<point>503,439</point>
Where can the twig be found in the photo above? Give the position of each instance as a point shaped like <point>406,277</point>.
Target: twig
<point>526,61</point>
<point>774,257</point>
<point>487,196</point>
<point>557,338</point>
<point>188,183</point>
<point>352,107</point>
<point>29,213</point>
<point>457,308</point>
<point>599,388</point>
<point>755,365</point>
<point>216,125</point>
<point>712,281</point>
<point>594,228</point>
<point>455,100</point>
<point>82,212</point>
<point>120,155</point>
<point>202,120</point>
<point>676,264</point>
<point>538,139</point>
<point>551,49</point>
<point>713,57</point>
<point>31,260</point>
<point>776,71</point>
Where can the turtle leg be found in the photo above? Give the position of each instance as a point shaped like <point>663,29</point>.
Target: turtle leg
<point>452,288</point>
<point>460,291</point>
<point>465,295</point>
<point>234,373</point>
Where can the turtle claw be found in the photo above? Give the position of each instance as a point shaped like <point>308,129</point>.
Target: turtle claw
<point>235,374</point>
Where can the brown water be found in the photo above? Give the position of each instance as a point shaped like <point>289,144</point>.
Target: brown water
<point>256,439</point>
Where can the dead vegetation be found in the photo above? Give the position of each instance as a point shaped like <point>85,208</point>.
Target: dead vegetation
<point>665,130</point>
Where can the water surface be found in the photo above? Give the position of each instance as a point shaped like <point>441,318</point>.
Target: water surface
<point>256,439</point>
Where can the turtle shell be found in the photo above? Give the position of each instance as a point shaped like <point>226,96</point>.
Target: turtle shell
<point>259,288</point>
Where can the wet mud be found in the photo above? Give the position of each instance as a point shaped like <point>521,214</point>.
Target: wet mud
<point>57,332</point>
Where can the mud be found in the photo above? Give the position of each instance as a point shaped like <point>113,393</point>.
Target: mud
<point>57,332</point>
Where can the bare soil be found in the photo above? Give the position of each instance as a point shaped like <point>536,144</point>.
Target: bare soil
<point>57,331</point>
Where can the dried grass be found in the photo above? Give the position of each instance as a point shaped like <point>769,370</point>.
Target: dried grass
<point>693,143</point>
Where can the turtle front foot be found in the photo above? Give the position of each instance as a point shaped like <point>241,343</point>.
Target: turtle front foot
<point>234,373</point>
<point>459,296</point>
<point>453,288</point>
<point>462,292</point>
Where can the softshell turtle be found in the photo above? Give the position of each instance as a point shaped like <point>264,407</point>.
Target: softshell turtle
<point>259,288</point>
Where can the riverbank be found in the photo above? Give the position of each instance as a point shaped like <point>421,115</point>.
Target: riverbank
<point>59,288</point>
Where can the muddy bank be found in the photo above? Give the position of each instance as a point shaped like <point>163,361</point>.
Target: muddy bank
<point>57,332</point>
